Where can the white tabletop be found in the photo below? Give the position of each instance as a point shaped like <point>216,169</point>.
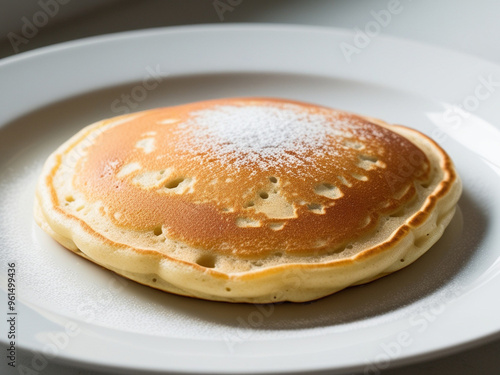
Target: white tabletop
<point>467,26</point>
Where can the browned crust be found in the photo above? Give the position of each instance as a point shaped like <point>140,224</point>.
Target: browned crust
<point>200,219</point>
<point>450,177</point>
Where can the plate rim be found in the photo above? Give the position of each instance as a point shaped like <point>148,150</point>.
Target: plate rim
<point>111,38</point>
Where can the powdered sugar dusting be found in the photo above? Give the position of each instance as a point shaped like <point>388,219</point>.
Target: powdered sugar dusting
<point>263,135</point>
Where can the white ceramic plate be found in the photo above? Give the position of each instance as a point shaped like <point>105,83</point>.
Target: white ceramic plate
<point>73,311</point>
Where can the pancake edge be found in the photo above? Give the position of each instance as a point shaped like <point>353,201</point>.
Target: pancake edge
<point>294,282</point>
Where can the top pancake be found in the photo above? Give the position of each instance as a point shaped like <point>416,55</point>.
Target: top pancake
<point>249,177</point>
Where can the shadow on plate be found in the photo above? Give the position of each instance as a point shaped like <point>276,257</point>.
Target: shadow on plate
<point>437,268</point>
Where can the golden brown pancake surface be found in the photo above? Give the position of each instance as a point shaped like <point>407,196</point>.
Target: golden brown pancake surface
<point>327,192</point>
<point>223,199</point>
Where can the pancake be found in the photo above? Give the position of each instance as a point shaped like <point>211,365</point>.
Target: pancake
<point>252,200</point>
